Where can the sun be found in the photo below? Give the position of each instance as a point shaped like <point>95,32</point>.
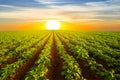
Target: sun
<point>53,25</point>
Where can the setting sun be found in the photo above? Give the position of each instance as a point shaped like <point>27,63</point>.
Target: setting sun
<point>53,25</point>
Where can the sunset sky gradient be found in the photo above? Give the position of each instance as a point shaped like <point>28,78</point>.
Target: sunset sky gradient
<point>73,14</point>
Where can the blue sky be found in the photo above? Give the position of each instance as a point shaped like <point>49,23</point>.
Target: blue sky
<point>78,11</point>
<point>34,2</point>
<point>41,3</point>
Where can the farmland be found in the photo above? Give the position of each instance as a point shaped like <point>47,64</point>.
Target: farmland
<point>59,55</point>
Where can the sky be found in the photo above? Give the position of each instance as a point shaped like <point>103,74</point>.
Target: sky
<point>73,14</point>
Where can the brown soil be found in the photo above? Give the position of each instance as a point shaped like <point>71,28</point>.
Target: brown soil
<point>1,42</point>
<point>86,71</point>
<point>54,71</point>
<point>22,71</point>
<point>14,58</point>
<point>11,49</point>
<point>100,61</point>
<point>104,63</point>
<point>9,61</point>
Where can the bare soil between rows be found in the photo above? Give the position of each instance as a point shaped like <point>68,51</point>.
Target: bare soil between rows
<point>22,71</point>
<point>15,57</point>
<point>86,71</point>
<point>54,71</point>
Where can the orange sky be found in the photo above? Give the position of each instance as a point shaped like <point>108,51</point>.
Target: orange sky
<point>64,25</point>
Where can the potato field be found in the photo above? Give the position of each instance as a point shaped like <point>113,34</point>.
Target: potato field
<point>59,55</point>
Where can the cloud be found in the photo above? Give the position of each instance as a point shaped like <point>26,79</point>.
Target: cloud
<point>48,1</point>
<point>114,0</point>
<point>8,6</point>
<point>87,12</point>
<point>33,14</point>
<point>4,8</point>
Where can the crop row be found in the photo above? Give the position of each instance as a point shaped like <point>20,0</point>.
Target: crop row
<point>80,48</point>
<point>70,67</point>
<point>39,71</point>
<point>10,69</point>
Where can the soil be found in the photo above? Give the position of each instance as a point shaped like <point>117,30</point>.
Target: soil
<point>54,71</point>
<point>100,61</point>
<point>1,42</point>
<point>22,71</point>
<point>11,49</point>
<point>86,71</point>
<point>14,58</point>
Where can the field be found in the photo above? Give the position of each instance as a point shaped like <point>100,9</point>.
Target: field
<point>59,55</point>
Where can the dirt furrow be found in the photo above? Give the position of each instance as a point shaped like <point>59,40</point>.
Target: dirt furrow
<point>100,61</point>
<point>12,49</point>
<point>54,71</point>
<point>1,42</point>
<point>86,71</point>
<point>22,71</point>
<point>14,58</point>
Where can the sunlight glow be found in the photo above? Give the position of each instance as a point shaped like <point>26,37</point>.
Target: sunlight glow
<point>53,25</point>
